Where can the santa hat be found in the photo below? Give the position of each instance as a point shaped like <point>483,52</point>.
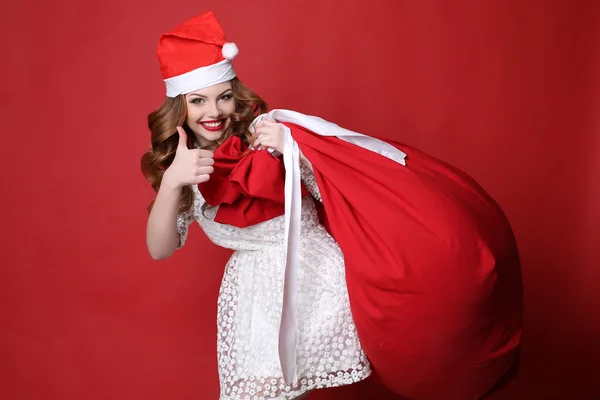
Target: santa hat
<point>195,55</point>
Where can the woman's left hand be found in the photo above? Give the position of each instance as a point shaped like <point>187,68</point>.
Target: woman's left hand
<point>269,134</point>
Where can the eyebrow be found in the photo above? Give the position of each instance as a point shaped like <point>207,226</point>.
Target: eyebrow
<point>199,95</point>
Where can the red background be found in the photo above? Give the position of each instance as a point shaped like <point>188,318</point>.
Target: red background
<point>507,90</point>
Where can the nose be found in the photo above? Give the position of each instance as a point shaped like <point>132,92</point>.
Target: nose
<point>214,112</point>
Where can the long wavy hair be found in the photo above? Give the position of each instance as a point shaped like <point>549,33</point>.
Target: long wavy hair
<point>163,124</point>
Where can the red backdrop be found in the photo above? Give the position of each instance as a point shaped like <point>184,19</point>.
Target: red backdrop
<point>507,90</point>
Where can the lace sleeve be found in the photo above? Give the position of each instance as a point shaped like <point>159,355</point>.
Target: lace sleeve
<point>184,219</point>
<point>309,180</point>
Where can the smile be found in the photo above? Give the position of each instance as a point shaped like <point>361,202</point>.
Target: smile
<point>212,125</point>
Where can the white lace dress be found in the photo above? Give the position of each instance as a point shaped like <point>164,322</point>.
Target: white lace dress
<point>250,304</point>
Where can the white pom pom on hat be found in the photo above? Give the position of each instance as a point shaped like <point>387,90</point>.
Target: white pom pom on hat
<point>230,50</point>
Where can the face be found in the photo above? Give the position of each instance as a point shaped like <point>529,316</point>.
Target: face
<point>208,112</point>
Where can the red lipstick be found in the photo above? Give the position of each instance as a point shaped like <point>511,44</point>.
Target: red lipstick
<point>215,125</point>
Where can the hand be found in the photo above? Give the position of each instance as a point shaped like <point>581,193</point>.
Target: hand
<point>269,134</point>
<point>189,167</point>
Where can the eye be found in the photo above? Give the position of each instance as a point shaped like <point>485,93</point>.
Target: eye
<point>197,100</point>
<point>227,96</point>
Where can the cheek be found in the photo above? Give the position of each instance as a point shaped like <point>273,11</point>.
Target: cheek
<point>192,114</point>
<point>229,108</point>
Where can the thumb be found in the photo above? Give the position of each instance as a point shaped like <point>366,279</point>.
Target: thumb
<point>182,138</point>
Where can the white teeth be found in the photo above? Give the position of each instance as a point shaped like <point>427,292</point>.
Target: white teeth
<point>212,124</point>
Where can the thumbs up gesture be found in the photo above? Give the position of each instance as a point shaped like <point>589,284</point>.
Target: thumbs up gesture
<point>190,166</point>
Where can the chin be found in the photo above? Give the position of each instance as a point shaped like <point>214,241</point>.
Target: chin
<point>210,136</point>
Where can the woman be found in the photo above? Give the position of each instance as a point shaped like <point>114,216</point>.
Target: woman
<point>381,243</point>
<point>249,301</point>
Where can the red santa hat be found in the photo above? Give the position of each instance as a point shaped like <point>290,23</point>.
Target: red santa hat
<point>195,55</point>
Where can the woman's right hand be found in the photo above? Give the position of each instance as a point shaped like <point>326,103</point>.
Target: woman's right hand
<point>189,167</point>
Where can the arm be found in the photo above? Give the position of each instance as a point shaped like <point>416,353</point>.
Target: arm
<point>167,228</point>
<point>162,236</point>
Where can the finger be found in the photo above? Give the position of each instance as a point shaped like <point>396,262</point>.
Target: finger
<point>182,138</point>
<point>269,129</point>
<point>259,136</point>
<point>264,125</point>
<point>267,140</point>
<point>262,142</point>
<point>202,153</point>
<point>201,179</point>
<point>204,170</point>
<point>205,161</point>
<point>254,137</point>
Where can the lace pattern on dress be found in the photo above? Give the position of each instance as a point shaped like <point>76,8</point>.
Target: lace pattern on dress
<point>310,182</point>
<point>184,220</point>
<point>250,299</point>
<point>249,314</point>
